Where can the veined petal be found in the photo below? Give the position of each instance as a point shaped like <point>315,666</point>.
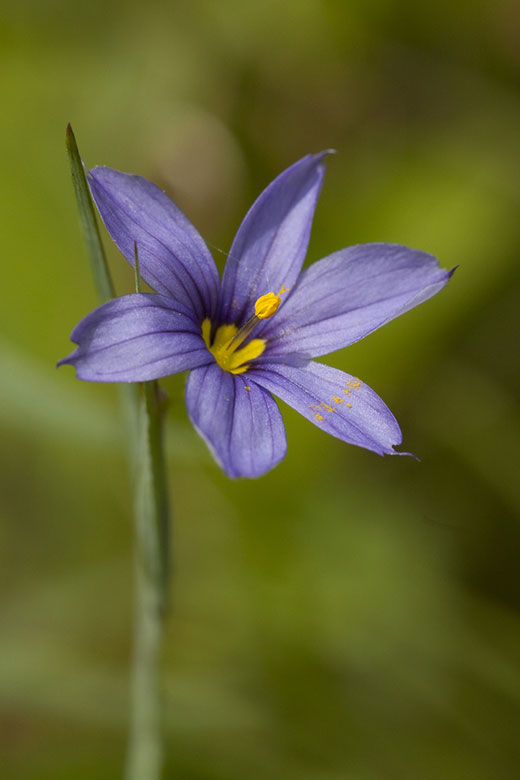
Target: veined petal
<point>137,338</point>
<point>239,421</point>
<point>173,258</point>
<point>347,295</point>
<point>335,401</point>
<point>271,243</point>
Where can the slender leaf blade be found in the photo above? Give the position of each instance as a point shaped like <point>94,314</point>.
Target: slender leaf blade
<point>89,225</point>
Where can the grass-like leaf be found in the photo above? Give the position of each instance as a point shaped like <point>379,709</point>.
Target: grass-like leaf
<point>89,225</point>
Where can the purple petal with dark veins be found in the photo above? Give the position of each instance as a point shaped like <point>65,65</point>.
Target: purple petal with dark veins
<point>271,243</point>
<point>173,258</point>
<point>335,401</point>
<point>137,338</point>
<point>349,294</point>
<point>239,421</point>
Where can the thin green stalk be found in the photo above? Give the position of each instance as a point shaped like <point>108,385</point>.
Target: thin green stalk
<point>144,757</point>
<point>143,410</point>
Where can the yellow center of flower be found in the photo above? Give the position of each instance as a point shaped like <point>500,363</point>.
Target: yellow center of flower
<point>228,338</point>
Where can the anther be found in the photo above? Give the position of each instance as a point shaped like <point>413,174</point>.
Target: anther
<point>265,307</point>
<point>268,304</point>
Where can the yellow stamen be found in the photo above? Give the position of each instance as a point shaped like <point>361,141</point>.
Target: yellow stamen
<point>268,304</point>
<point>225,348</point>
<point>228,338</point>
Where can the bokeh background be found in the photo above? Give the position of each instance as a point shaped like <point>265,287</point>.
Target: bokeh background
<point>345,616</point>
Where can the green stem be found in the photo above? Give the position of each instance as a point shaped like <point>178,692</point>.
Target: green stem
<point>143,411</point>
<point>144,758</point>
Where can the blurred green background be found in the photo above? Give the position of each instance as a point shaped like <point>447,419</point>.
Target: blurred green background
<point>346,616</point>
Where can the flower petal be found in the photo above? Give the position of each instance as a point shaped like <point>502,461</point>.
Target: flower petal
<point>239,421</point>
<point>173,258</point>
<point>271,243</point>
<point>137,338</point>
<point>335,401</point>
<point>347,295</point>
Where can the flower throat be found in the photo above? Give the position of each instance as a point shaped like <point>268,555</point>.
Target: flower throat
<point>226,347</point>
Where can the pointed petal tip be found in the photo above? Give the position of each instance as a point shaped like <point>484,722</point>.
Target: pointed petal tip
<point>70,360</point>
<point>408,454</point>
<point>65,361</point>
<point>320,157</point>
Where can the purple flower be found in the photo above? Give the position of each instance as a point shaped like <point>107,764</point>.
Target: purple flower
<point>256,331</point>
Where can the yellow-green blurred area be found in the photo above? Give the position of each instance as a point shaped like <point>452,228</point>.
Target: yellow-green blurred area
<point>346,616</point>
